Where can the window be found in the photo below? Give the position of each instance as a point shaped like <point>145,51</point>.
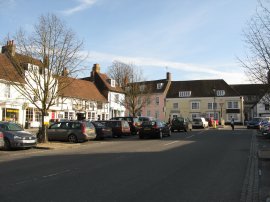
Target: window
<point>184,93</point>
<point>148,101</point>
<point>266,106</point>
<point>157,100</point>
<point>175,105</point>
<point>112,83</point>
<point>142,87</point>
<point>212,105</point>
<point>116,98</point>
<point>220,92</point>
<point>99,105</point>
<point>139,101</point>
<point>195,105</point>
<point>156,114</point>
<point>7,91</point>
<point>160,85</point>
<point>233,105</point>
<point>38,115</point>
<point>29,114</point>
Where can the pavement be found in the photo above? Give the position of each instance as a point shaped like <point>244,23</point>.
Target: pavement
<point>264,166</point>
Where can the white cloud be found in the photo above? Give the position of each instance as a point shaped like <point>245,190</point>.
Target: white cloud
<point>83,4</point>
<point>231,73</point>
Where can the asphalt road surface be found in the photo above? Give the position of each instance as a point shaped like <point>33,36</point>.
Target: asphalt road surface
<point>202,165</point>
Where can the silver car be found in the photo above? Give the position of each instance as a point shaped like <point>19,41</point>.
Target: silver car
<point>16,137</point>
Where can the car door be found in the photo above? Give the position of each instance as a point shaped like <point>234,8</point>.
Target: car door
<point>57,131</point>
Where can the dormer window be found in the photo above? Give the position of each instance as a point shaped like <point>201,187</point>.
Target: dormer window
<point>160,85</point>
<point>220,93</point>
<point>112,82</point>
<point>142,87</point>
<point>184,93</point>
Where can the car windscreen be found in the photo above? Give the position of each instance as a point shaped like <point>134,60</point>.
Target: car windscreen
<point>13,127</point>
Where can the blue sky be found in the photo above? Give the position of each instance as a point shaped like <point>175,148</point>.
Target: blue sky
<point>192,39</point>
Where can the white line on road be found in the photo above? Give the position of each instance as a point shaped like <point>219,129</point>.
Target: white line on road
<point>190,136</point>
<point>170,143</point>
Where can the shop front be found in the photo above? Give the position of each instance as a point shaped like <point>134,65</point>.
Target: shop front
<point>10,114</point>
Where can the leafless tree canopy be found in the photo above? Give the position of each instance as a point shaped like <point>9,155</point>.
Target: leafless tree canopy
<point>257,40</point>
<point>53,51</point>
<point>130,78</point>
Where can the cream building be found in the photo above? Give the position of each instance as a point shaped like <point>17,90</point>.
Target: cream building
<point>204,98</point>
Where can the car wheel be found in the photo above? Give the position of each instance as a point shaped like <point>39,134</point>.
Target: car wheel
<point>7,145</point>
<point>160,135</point>
<point>72,138</point>
<point>185,130</point>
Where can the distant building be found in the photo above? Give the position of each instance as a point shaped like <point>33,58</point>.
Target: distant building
<point>108,88</point>
<point>204,98</point>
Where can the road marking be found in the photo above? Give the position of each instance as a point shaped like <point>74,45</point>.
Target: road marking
<point>171,143</point>
<point>190,136</point>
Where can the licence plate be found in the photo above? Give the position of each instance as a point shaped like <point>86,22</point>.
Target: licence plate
<point>29,141</point>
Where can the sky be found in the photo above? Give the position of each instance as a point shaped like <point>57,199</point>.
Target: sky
<point>191,39</point>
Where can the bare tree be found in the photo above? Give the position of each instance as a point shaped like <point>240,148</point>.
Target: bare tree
<point>43,60</point>
<point>130,78</point>
<point>257,40</point>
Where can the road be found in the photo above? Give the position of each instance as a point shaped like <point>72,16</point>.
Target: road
<point>202,165</point>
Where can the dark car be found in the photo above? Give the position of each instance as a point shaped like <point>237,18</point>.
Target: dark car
<point>72,131</point>
<point>154,129</point>
<point>145,118</point>
<point>102,130</point>
<point>133,122</point>
<point>180,123</point>
<point>257,122</point>
<point>16,137</point>
<point>119,127</point>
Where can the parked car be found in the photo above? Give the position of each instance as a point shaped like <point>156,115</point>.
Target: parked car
<point>16,137</point>
<point>119,127</point>
<point>257,122</point>
<point>155,128</point>
<point>145,118</point>
<point>2,143</point>
<point>133,122</point>
<point>199,122</point>
<point>102,131</point>
<point>265,129</point>
<point>180,123</point>
<point>72,131</point>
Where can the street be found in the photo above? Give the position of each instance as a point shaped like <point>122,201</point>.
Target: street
<point>202,165</point>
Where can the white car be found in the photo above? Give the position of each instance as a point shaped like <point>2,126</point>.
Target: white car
<point>199,123</point>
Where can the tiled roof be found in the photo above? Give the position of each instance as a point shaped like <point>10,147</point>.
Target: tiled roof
<point>200,88</point>
<point>23,59</point>
<point>151,86</point>
<point>80,89</point>
<point>105,80</point>
<point>8,71</point>
<point>251,89</point>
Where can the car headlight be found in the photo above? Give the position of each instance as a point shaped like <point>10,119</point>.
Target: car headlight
<point>17,137</point>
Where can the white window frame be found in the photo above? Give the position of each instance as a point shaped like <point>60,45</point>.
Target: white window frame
<point>160,85</point>
<point>184,93</point>
<point>195,105</point>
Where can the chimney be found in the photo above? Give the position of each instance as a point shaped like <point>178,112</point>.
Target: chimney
<point>65,72</point>
<point>10,47</point>
<point>95,69</point>
<point>169,76</point>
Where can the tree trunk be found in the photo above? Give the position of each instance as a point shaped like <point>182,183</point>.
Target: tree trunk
<point>43,136</point>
